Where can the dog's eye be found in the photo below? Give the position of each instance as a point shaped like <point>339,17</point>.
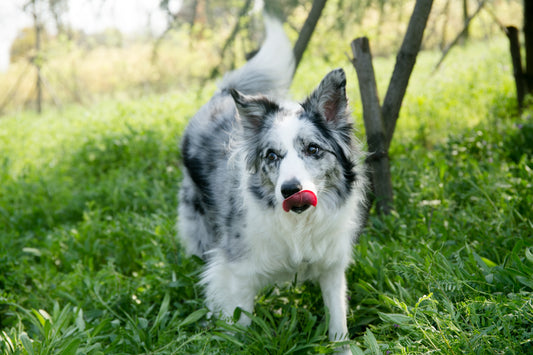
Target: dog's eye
<point>313,149</point>
<point>272,156</point>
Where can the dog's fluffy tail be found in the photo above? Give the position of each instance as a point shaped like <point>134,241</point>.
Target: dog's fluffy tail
<point>270,71</point>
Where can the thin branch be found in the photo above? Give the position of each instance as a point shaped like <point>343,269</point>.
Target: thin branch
<point>459,36</point>
<point>307,31</point>
<point>244,10</point>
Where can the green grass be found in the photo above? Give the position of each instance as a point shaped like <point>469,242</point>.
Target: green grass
<point>90,262</point>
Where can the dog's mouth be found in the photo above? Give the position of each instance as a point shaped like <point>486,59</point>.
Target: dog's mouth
<point>300,201</point>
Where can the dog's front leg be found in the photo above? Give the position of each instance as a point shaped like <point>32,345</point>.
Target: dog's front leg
<point>333,286</point>
<point>227,288</point>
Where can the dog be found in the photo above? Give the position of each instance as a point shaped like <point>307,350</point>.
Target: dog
<point>272,188</point>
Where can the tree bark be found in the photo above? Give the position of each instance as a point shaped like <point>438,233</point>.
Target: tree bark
<point>514,44</point>
<point>381,122</point>
<point>466,22</point>
<point>528,37</point>
<point>307,31</point>
<point>378,160</point>
<point>405,62</point>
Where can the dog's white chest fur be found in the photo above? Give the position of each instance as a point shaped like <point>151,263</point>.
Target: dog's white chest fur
<point>284,244</point>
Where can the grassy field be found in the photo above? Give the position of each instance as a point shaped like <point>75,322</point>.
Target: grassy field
<point>90,262</point>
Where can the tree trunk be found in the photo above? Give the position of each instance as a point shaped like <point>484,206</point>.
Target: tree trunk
<point>528,36</point>
<point>307,31</point>
<point>380,123</point>
<point>514,44</point>
<point>445,24</point>
<point>37,59</point>
<point>466,22</point>
<point>378,160</point>
<point>405,62</point>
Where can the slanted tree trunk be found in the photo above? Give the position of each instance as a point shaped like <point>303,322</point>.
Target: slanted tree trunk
<point>405,62</point>
<point>381,122</point>
<point>307,30</point>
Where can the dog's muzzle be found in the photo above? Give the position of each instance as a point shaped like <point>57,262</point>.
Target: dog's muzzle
<point>296,199</point>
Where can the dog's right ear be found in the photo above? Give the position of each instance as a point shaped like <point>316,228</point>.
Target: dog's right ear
<point>253,110</point>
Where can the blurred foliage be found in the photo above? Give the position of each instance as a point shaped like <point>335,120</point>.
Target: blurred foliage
<point>80,67</point>
<point>23,47</point>
<point>519,142</point>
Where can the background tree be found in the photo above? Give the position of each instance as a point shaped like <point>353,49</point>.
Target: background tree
<point>209,37</point>
<point>29,43</point>
<point>24,45</point>
<point>34,8</point>
<point>381,122</point>
<point>528,37</point>
<point>307,30</point>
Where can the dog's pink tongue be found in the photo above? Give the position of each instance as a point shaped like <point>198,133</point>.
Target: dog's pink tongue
<point>299,199</point>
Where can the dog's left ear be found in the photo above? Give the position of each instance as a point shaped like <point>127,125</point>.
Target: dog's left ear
<point>253,110</point>
<point>329,98</point>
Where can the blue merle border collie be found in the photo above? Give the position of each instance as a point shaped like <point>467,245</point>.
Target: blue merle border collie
<point>272,189</point>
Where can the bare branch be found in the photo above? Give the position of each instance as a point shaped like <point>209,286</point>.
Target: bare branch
<point>405,61</point>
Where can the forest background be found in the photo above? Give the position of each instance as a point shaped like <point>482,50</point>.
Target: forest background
<point>198,40</point>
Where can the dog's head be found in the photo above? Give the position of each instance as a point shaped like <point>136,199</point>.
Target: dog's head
<point>299,155</point>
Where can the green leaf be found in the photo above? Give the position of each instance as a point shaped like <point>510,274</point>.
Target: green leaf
<point>27,343</point>
<point>481,263</point>
<point>40,316</point>
<point>489,262</point>
<point>162,311</point>
<point>193,317</point>
<point>356,350</point>
<point>395,318</point>
<point>529,255</point>
<point>371,342</point>
<point>525,281</point>
<point>96,330</point>
<point>261,323</point>
<point>80,322</point>
<point>71,348</point>
<point>229,338</point>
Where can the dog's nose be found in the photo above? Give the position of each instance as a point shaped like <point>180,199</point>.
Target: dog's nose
<point>290,187</point>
